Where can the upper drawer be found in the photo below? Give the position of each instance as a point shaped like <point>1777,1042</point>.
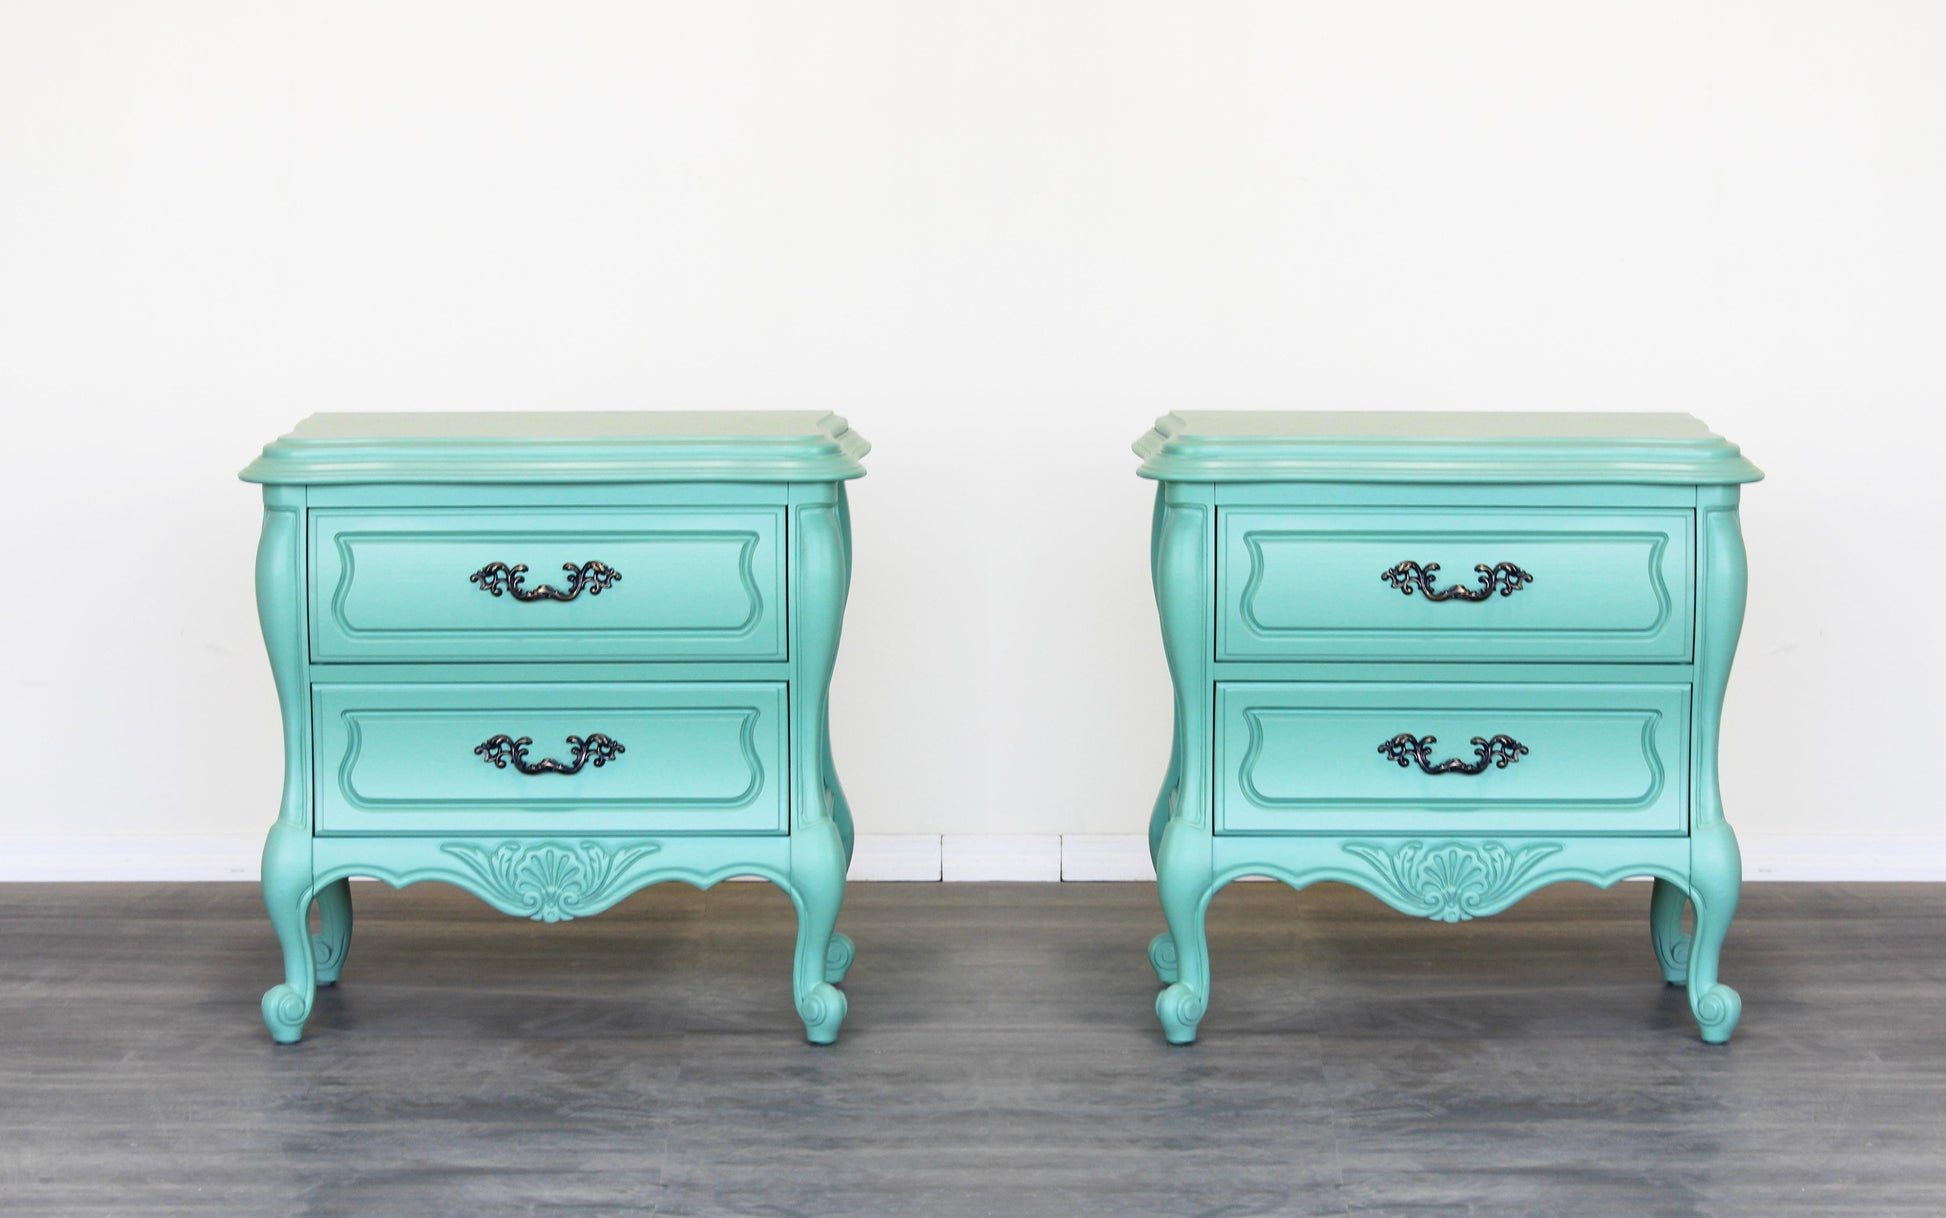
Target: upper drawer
<point>1322,583</point>
<point>680,583</point>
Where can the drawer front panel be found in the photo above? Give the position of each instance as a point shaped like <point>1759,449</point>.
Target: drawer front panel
<point>697,757</point>
<point>1294,758</point>
<point>694,584</point>
<point>1312,584</point>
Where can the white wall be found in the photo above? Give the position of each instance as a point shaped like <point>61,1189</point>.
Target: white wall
<point>1000,238</point>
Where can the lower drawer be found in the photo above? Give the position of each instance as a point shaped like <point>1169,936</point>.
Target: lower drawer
<point>692,757</point>
<point>1336,757</point>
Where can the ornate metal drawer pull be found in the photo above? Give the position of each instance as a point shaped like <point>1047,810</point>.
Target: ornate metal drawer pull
<point>1499,752</point>
<point>1504,577</point>
<point>597,748</point>
<point>498,577</point>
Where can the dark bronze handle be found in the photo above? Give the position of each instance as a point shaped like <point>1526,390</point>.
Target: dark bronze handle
<point>1500,752</point>
<point>1504,577</point>
<point>597,748</point>
<point>498,577</point>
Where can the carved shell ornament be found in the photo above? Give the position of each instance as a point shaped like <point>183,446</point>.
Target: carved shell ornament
<point>551,881</point>
<point>1450,881</point>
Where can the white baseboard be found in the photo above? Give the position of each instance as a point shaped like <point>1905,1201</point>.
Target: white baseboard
<point>127,859</point>
<point>1107,856</point>
<point>896,857</point>
<point>1843,858</point>
<point>925,858</point>
<point>1000,856</point>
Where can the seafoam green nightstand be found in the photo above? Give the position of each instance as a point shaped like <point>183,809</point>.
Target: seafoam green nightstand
<point>553,658</point>
<point>1449,659</point>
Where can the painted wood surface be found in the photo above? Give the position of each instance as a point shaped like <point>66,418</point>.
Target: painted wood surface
<point>1305,702</point>
<point>585,447</point>
<point>1311,756</point>
<point>688,757</point>
<point>1432,583</point>
<point>679,582</point>
<point>1448,447</point>
<point>659,715</point>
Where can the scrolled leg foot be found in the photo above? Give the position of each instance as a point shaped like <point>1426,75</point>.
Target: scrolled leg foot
<point>818,883</point>
<point>1184,884</point>
<point>1717,1012</point>
<point>287,898</point>
<point>1665,931</point>
<point>1180,1009</point>
<point>285,1011</point>
<point>838,958</point>
<point>822,1010</point>
<point>1162,958</point>
<point>1716,875</point>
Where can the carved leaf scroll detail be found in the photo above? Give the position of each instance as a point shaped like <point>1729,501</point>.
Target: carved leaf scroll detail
<point>1450,881</point>
<point>498,577</point>
<point>501,749</point>
<point>551,881</point>
<point>1500,751</point>
<point>1503,577</point>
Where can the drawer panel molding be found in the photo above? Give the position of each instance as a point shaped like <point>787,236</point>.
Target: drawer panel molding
<point>669,584</point>
<point>701,757</point>
<point>1368,584</point>
<point>1322,757</point>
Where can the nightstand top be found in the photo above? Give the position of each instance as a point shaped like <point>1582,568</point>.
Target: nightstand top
<point>567,446</point>
<point>1398,446</point>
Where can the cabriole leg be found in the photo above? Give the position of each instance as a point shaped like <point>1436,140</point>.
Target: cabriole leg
<point>1183,882</point>
<point>287,896</point>
<point>1715,867</point>
<point>821,832</point>
<point>818,878</point>
<point>1162,949</point>
<point>1665,930</point>
<point>1177,553</point>
<point>1715,875</point>
<point>333,940</point>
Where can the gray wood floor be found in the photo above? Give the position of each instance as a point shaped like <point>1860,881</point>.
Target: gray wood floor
<point>1000,1059</point>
